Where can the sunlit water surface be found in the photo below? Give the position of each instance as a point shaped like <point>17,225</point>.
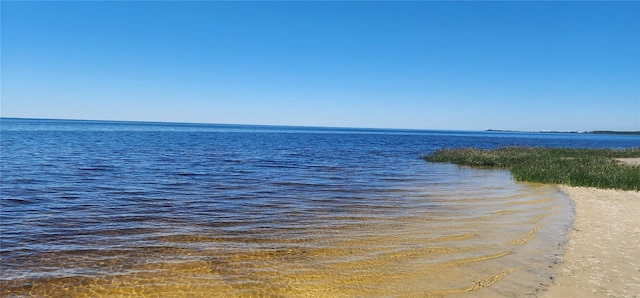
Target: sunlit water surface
<point>151,209</point>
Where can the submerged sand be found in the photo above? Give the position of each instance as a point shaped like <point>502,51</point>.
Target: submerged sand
<point>602,257</point>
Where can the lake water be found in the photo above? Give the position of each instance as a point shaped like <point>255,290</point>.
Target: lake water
<point>95,208</point>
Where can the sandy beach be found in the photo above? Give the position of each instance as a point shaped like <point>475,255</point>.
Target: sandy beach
<point>630,161</point>
<point>602,257</point>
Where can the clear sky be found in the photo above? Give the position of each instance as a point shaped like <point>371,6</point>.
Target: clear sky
<point>425,65</point>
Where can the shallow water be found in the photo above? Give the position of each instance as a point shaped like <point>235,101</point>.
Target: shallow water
<point>108,208</point>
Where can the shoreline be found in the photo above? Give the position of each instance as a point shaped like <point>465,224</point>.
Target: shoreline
<point>602,256</point>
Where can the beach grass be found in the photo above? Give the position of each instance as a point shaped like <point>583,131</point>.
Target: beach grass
<point>575,167</point>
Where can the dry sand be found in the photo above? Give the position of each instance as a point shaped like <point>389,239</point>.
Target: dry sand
<point>602,257</point>
<point>635,161</point>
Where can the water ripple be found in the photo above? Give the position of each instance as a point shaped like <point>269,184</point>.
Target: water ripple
<point>106,209</point>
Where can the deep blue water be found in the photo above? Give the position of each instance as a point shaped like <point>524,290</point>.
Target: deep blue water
<point>71,186</point>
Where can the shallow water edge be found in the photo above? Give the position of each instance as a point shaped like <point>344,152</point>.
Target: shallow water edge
<point>497,240</point>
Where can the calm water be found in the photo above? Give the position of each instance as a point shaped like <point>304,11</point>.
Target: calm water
<point>119,208</point>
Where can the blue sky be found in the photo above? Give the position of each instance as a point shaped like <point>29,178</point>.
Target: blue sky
<point>424,65</point>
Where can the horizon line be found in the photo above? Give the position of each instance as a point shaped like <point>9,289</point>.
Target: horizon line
<point>317,126</point>
<point>236,124</point>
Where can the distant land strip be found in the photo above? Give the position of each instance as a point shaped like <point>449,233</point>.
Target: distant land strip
<point>608,132</point>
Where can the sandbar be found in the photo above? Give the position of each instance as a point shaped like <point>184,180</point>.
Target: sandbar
<point>602,256</point>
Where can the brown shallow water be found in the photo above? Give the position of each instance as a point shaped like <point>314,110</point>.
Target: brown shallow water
<point>496,238</point>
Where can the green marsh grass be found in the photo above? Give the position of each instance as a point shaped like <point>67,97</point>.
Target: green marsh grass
<point>574,167</point>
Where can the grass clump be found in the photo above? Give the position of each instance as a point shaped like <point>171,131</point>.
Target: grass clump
<point>575,167</point>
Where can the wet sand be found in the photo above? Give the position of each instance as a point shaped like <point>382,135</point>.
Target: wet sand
<point>602,257</point>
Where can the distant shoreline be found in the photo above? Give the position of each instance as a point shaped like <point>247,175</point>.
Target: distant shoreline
<point>615,132</point>
<point>608,132</point>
